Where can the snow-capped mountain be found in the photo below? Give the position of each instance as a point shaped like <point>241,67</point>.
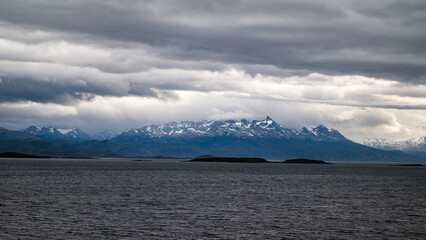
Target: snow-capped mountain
<point>258,138</point>
<point>104,135</point>
<point>419,142</point>
<point>415,146</point>
<point>46,132</point>
<point>73,134</point>
<point>16,135</point>
<point>382,144</point>
<point>412,143</point>
<point>244,128</point>
<point>321,133</point>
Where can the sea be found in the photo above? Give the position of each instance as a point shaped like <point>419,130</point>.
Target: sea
<point>173,199</point>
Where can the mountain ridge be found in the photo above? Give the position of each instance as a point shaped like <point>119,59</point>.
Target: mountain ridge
<point>71,134</point>
<point>242,128</point>
<point>229,138</point>
<point>49,132</point>
<point>258,138</point>
<point>414,146</point>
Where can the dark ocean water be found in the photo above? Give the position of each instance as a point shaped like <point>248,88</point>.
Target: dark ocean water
<point>121,199</point>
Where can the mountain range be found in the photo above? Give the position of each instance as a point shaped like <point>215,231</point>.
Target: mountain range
<point>73,134</point>
<point>266,128</point>
<point>257,138</point>
<point>414,146</point>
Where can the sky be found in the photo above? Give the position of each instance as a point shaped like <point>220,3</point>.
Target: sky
<point>355,66</point>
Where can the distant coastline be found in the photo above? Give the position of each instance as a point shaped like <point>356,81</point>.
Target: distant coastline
<point>202,158</point>
<point>19,155</point>
<point>305,161</point>
<point>205,158</point>
<point>23,155</point>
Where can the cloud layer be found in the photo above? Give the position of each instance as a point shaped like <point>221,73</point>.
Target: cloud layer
<point>351,65</point>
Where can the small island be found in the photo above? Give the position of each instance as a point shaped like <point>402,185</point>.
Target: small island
<point>254,160</point>
<point>305,161</point>
<point>19,155</point>
<point>23,155</point>
<point>230,160</point>
<point>408,165</point>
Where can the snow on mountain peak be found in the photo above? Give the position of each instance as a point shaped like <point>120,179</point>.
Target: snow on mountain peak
<point>104,135</point>
<point>243,128</point>
<point>65,131</point>
<point>409,144</point>
<point>50,132</point>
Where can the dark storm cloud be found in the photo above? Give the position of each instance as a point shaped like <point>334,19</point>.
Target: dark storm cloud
<point>63,92</point>
<point>384,39</point>
<point>21,89</point>
<point>26,89</point>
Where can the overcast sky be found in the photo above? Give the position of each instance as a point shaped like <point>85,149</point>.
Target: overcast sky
<point>356,66</point>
